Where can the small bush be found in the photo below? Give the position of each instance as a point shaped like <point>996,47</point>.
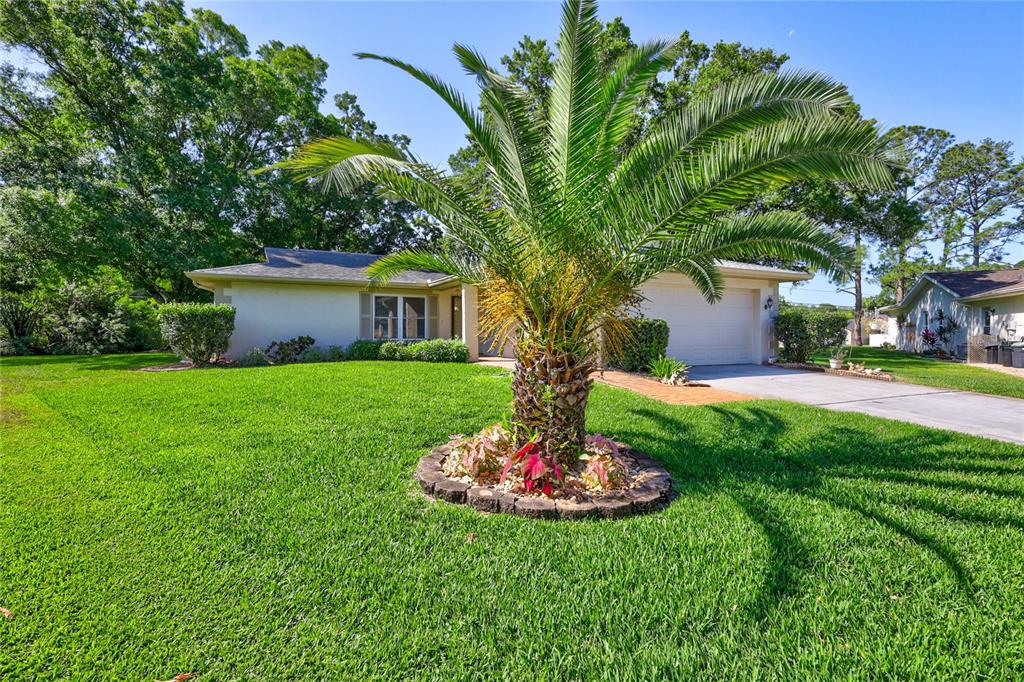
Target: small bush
<point>364,349</point>
<point>198,332</point>
<point>336,354</point>
<point>802,331</point>
<point>19,321</point>
<point>431,350</point>
<point>394,350</point>
<point>254,357</point>
<point>313,354</point>
<point>668,370</point>
<point>286,352</point>
<point>437,350</point>
<point>647,341</point>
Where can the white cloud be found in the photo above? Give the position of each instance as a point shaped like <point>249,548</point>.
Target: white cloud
<point>792,32</point>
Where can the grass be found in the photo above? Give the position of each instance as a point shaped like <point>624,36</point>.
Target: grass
<point>263,523</point>
<point>914,369</point>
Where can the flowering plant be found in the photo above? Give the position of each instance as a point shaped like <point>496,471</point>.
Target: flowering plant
<point>539,470</point>
<point>479,456</point>
<point>603,466</point>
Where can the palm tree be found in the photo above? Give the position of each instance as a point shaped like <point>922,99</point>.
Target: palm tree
<point>576,222</point>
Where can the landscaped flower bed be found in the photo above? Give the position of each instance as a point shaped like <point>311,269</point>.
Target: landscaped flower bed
<point>488,472</point>
<point>853,370</point>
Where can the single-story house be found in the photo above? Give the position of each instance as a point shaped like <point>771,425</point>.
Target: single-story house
<point>987,306</point>
<point>327,295</point>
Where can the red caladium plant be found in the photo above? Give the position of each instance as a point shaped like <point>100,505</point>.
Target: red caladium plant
<point>537,468</point>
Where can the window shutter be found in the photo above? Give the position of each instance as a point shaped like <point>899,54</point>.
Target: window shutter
<point>365,316</point>
<point>432,317</point>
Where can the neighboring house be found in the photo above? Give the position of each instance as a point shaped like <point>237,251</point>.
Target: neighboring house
<point>986,305</point>
<point>327,295</point>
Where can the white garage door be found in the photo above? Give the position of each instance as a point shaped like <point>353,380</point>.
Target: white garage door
<point>703,334</point>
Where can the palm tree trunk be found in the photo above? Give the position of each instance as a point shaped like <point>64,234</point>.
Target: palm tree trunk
<point>549,394</point>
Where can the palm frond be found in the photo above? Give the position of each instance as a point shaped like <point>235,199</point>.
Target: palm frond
<point>483,135</point>
<point>466,269</point>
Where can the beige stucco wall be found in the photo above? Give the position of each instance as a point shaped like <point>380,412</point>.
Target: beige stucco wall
<point>1007,317</point>
<point>267,312</point>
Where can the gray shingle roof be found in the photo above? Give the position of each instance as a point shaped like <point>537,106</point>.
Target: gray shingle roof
<point>973,282</point>
<point>307,264</point>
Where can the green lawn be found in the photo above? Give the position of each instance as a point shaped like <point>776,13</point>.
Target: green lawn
<point>914,369</point>
<point>263,524</point>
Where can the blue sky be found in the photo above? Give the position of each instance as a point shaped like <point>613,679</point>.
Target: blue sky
<point>957,66</point>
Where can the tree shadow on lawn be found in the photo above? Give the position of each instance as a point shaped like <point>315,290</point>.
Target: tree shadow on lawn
<point>759,462</point>
<point>125,361</point>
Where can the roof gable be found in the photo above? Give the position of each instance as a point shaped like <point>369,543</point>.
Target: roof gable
<point>974,282</point>
<point>312,265</point>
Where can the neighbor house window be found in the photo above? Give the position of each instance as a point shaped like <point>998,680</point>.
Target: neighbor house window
<point>986,324</point>
<point>399,317</point>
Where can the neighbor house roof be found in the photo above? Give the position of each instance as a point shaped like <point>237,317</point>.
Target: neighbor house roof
<point>974,282</point>
<point>308,266</point>
<point>969,285</point>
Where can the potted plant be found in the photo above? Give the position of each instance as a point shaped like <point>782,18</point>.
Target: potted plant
<point>835,360</point>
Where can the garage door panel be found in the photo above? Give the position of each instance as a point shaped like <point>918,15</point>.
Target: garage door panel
<point>703,334</point>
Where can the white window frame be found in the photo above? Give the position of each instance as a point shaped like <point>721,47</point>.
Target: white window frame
<point>401,317</point>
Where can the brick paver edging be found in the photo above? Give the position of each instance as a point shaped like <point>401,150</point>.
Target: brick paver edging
<point>648,496</point>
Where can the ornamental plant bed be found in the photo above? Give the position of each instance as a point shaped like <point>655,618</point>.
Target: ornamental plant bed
<point>861,373</point>
<point>486,472</point>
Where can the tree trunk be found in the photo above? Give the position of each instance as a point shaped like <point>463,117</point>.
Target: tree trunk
<point>549,400</point>
<point>976,243</point>
<point>858,294</point>
<point>901,280</point>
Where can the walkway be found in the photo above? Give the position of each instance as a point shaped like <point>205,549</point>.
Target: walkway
<point>674,395</point>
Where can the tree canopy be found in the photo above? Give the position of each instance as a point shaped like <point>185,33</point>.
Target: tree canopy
<point>128,133</point>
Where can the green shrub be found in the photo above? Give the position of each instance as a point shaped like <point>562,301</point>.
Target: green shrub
<point>802,331</point>
<point>437,350</point>
<point>394,350</point>
<point>667,367</point>
<point>198,332</point>
<point>286,352</point>
<point>313,354</point>
<point>19,321</point>
<point>336,354</point>
<point>646,342</point>
<point>431,350</point>
<point>254,357</point>
<point>364,349</point>
<point>142,326</point>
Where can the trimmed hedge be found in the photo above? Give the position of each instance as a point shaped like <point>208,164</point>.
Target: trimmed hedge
<point>647,342</point>
<point>432,350</point>
<point>198,332</point>
<point>802,331</point>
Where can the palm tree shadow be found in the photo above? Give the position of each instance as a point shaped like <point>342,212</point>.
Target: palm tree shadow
<point>752,449</point>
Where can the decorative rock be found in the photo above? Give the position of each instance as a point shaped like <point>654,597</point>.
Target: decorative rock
<point>654,490</point>
<point>535,507</point>
<point>611,506</point>
<point>507,502</point>
<point>436,456</point>
<point>575,510</point>
<point>429,479</point>
<point>484,499</point>
<point>646,500</point>
<point>451,491</point>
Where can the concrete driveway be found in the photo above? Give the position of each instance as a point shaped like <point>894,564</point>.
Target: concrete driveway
<point>974,413</point>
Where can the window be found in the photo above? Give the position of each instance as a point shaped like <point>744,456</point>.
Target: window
<point>986,324</point>
<point>456,317</point>
<point>415,316</point>
<point>399,317</point>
